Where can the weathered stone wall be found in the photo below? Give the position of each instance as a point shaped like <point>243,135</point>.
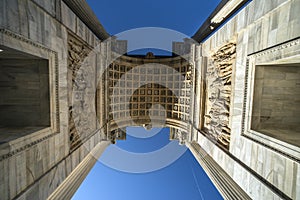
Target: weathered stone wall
<point>257,27</point>
<point>276,98</point>
<point>24,89</point>
<point>34,165</point>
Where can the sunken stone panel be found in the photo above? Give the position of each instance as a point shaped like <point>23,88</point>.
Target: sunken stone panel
<point>276,110</point>
<point>24,91</point>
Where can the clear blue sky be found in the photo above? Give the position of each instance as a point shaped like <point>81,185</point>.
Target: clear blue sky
<point>183,16</point>
<point>182,179</point>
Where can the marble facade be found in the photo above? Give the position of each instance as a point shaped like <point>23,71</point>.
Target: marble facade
<point>215,114</point>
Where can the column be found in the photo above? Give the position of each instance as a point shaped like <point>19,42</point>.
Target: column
<point>227,187</point>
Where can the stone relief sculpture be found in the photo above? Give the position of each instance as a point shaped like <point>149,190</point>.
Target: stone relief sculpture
<point>181,137</point>
<point>77,82</point>
<point>218,91</point>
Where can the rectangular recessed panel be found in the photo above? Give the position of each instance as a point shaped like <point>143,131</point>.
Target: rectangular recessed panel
<point>276,102</point>
<point>25,98</point>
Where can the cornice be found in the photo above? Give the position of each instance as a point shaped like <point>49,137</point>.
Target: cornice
<point>87,16</point>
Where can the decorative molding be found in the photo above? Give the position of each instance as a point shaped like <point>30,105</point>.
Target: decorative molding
<point>54,130</point>
<point>26,40</point>
<point>27,146</point>
<point>87,16</point>
<point>210,26</point>
<point>245,96</point>
<point>227,9</point>
<point>269,56</point>
<point>273,49</point>
<point>42,47</point>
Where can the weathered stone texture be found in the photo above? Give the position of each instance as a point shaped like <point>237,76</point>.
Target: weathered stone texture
<point>33,167</point>
<point>218,90</point>
<point>260,25</point>
<point>38,163</point>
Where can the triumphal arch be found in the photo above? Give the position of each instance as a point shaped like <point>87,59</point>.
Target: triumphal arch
<point>230,93</point>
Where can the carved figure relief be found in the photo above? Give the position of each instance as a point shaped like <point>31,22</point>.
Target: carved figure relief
<point>218,91</point>
<point>78,84</point>
<point>181,137</point>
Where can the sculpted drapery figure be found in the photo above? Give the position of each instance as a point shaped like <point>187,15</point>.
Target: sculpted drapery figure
<point>77,52</point>
<point>219,75</point>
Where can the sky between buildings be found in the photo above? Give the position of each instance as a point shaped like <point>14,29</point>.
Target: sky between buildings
<point>181,179</point>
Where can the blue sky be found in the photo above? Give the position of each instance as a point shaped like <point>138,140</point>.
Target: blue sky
<point>182,179</point>
<point>183,16</point>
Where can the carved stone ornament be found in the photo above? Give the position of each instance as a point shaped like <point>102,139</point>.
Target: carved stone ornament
<point>77,52</point>
<point>219,75</point>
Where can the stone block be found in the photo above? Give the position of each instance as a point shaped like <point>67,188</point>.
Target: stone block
<point>48,5</point>
<point>279,171</point>
<point>35,22</point>
<point>294,28</point>
<point>4,179</point>
<point>255,188</point>
<point>24,26</point>
<point>13,18</point>
<point>290,178</point>
<point>75,159</point>
<point>294,10</point>
<point>68,17</point>
<point>81,29</point>
<point>293,76</point>
<point>58,176</point>
<point>297,185</point>
<point>31,193</point>
<point>60,145</point>
<point>250,10</point>
<point>12,174</point>
<point>3,14</point>
<point>20,177</point>
<point>52,153</point>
